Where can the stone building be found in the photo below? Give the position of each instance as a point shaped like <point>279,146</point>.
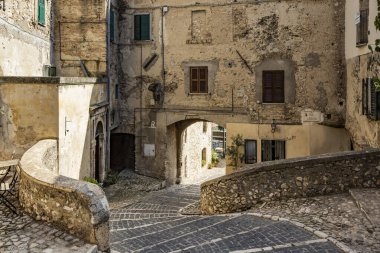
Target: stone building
<point>270,65</point>
<point>54,82</point>
<point>363,101</point>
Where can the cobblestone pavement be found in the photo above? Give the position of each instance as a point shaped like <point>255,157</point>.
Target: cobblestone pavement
<point>23,234</point>
<point>155,225</point>
<point>337,216</point>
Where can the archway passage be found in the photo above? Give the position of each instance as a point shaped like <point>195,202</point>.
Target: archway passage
<point>200,149</point>
<point>99,153</point>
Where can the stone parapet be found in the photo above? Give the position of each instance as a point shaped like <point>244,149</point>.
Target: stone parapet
<point>77,207</point>
<point>293,178</point>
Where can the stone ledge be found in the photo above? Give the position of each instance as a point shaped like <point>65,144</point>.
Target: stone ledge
<point>293,178</point>
<point>280,164</point>
<point>51,80</point>
<point>77,207</point>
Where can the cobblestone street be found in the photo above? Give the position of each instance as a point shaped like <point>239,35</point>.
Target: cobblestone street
<point>23,234</point>
<point>155,225</point>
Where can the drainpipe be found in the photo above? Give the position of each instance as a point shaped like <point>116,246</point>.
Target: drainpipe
<point>108,127</point>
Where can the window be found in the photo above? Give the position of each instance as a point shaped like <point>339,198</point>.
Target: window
<point>204,159</point>
<point>204,127</point>
<point>142,27</point>
<point>362,29</point>
<point>272,150</point>
<point>250,151</point>
<point>370,99</point>
<point>41,12</point>
<point>198,79</point>
<point>117,91</point>
<point>273,86</point>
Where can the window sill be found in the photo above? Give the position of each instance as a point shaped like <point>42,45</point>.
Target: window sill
<point>273,103</point>
<point>143,41</point>
<point>199,94</point>
<point>362,44</point>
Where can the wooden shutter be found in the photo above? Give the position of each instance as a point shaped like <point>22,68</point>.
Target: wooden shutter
<point>137,27</point>
<point>198,80</point>
<point>273,86</point>
<point>373,103</point>
<point>112,25</point>
<point>250,151</point>
<point>145,27</point>
<point>280,150</point>
<point>266,150</point>
<point>41,12</point>
<point>364,97</point>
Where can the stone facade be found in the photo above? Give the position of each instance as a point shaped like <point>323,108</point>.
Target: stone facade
<point>236,42</point>
<point>361,64</point>
<point>281,180</point>
<point>196,152</point>
<point>79,208</point>
<point>24,43</point>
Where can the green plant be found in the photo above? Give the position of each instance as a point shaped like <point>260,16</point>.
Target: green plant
<point>110,179</point>
<point>233,150</point>
<point>214,156</point>
<point>90,180</point>
<point>203,163</point>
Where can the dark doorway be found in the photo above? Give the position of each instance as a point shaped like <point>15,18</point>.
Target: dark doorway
<point>122,152</point>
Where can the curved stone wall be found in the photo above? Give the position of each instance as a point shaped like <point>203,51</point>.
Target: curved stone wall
<point>301,177</point>
<point>77,207</point>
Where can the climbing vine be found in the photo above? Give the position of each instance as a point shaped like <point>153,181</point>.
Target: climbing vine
<point>376,47</point>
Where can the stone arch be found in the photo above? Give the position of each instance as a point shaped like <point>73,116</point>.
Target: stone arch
<point>178,162</point>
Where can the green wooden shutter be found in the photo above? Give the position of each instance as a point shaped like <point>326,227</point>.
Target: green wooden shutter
<point>137,27</point>
<point>41,12</point>
<point>145,27</point>
<point>112,25</point>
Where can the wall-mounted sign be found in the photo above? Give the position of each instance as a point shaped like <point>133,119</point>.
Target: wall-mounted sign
<point>309,115</point>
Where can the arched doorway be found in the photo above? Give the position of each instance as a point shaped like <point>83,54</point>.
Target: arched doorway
<point>195,152</point>
<point>99,152</point>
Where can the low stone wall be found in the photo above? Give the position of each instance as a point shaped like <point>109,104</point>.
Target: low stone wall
<point>301,177</point>
<point>77,207</point>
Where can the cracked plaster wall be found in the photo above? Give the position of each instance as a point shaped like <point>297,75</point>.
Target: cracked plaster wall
<point>261,30</point>
<point>24,44</point>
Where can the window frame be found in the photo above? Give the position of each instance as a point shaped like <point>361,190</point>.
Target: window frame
<point>198,80</point>
<point>134,26</point>
<point>273,88</point>
<point>362,28</point>
<point>273,146</point>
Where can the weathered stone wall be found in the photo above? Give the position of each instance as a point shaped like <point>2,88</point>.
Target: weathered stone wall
<point>79,208</point>
<point>24,44</point>
<point>193,141</point>
<point>361,64</point>
<point>285,32</point>
<point>280,180</point>
<point>285,35</point>
<point>80,34</point>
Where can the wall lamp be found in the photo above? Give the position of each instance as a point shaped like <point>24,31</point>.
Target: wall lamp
<point>273,126</point>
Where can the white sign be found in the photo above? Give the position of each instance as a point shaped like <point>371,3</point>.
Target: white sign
<point>309,115</point>
<point>149,150</point>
